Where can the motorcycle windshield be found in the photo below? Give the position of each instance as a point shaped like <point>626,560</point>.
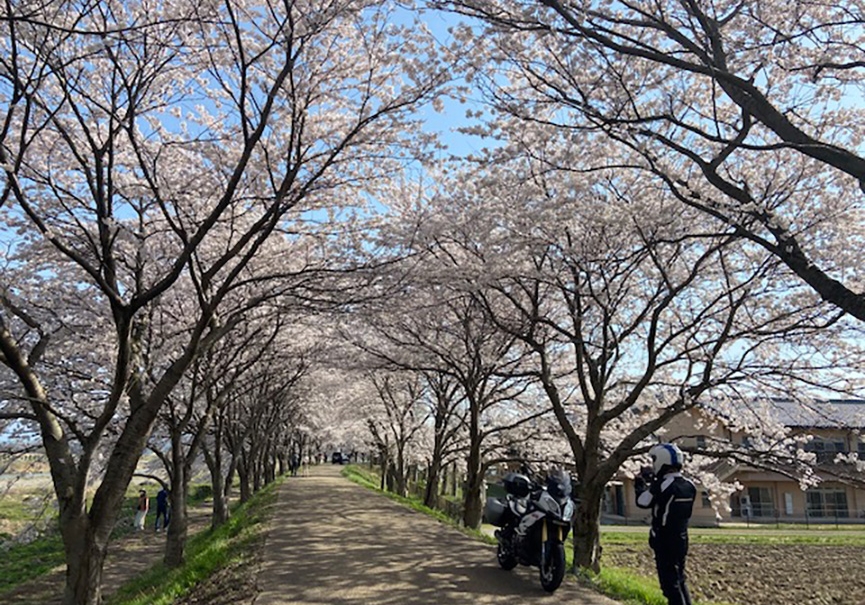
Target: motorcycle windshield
<point>559,486</point>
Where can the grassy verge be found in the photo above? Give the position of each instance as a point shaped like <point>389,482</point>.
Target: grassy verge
<point>31,512</point>
<point>762,537</point>
<point>22,562</point>
<point>367,478</point>
<point>207,553</point>
<point>624,585</point>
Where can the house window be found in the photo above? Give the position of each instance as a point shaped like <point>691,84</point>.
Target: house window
<point>862,448</point>
<point>827,502</point>
<point>826,449</point>
<point>761,502</point>
<point>701,442</point>
<point>707,503</point>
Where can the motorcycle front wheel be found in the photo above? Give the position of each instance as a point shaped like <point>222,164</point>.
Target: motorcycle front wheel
<point>507,560</point>
<point>553,568</point>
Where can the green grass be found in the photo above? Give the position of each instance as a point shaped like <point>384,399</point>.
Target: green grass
<point>624,585</point>
<point>207,553</point>
<point>23,562</point>
<point>764,537</point>
<point>361,475</point>
<point>369,479</point>
<point>15,510</point>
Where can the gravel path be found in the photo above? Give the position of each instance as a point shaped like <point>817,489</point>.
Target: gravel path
<point>335,543</point>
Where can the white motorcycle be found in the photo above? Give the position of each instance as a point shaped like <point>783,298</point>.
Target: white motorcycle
<point>534,521</point>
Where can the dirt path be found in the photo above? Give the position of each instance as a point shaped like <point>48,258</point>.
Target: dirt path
<point>332,542</point>
<point>128,557</point>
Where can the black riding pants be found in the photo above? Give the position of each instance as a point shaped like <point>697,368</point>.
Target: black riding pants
<point>670,555</point>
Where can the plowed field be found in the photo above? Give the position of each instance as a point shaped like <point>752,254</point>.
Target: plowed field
<point>756,574</point>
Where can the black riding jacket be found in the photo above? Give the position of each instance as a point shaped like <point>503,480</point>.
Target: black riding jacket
<point>671,498</point>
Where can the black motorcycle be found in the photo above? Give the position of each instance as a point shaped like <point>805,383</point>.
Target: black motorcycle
<point>534,521</point>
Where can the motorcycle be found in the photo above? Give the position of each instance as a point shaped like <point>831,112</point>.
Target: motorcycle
<point>534,521</point>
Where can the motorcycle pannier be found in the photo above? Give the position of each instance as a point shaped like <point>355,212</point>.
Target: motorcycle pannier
<point>518,485</point>
<point>494,512</point>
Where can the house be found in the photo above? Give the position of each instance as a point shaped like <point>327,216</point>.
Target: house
<point>827,429</point>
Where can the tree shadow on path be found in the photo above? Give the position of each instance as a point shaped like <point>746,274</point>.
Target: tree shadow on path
<point>333,542</point>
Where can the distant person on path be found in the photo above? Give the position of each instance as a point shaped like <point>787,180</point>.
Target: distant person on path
<point>141,509</point>
<point>293,465</point>
<point>162,509</point>
<point>671,498</point>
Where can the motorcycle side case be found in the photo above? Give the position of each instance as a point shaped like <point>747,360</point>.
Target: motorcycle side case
<point>494,512</point>
<point>518,485</point>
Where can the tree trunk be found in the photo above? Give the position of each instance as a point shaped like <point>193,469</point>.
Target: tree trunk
<point>383,470</point>
<point>229,476</point>
<point>401,474</point>
<point>472,505</point>
<point>256,480</point>
<point>271,469</point>
<point>178,526</point>
<point>85,559</point>
<point>432,483</point>
<point>587,542</point>
<point>434,472</point>
<point>472,502</point>
<point>243,472</point>
<point>256,467</point>
<point>454,480</point>
<point>391,477</point>
<point>219,514</point>
<point>86,534</point>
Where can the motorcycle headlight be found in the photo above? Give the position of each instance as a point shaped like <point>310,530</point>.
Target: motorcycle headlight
<point>568,513</point>
<point>548,504</point>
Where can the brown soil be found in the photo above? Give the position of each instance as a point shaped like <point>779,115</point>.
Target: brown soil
<point>232,585</point>
<point>788,574</point>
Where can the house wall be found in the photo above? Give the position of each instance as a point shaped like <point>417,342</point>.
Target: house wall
<point>785,499</point>
<point>787,502</point>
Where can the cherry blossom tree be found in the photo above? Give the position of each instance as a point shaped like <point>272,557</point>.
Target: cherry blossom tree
<point>147,144</point>
<point>427,326</point>
<point>447,410</point>
<point>748,112</point>
<point>393,432</point>
<point>632,310</point>
<point>185,419</point>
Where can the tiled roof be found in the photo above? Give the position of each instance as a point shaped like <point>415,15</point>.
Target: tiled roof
<point>833,413</point>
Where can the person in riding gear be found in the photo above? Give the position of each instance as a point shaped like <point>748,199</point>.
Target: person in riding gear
<point>671,498</point>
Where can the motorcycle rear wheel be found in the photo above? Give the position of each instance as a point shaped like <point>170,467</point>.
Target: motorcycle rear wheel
<point>507,560</point>
<point>553,569</point>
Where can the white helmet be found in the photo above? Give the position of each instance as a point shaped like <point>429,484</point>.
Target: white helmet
<point>666,454</point>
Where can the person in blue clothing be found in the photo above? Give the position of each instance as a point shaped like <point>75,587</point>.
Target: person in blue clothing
<point>162,509</point>
<point>671,498</point>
